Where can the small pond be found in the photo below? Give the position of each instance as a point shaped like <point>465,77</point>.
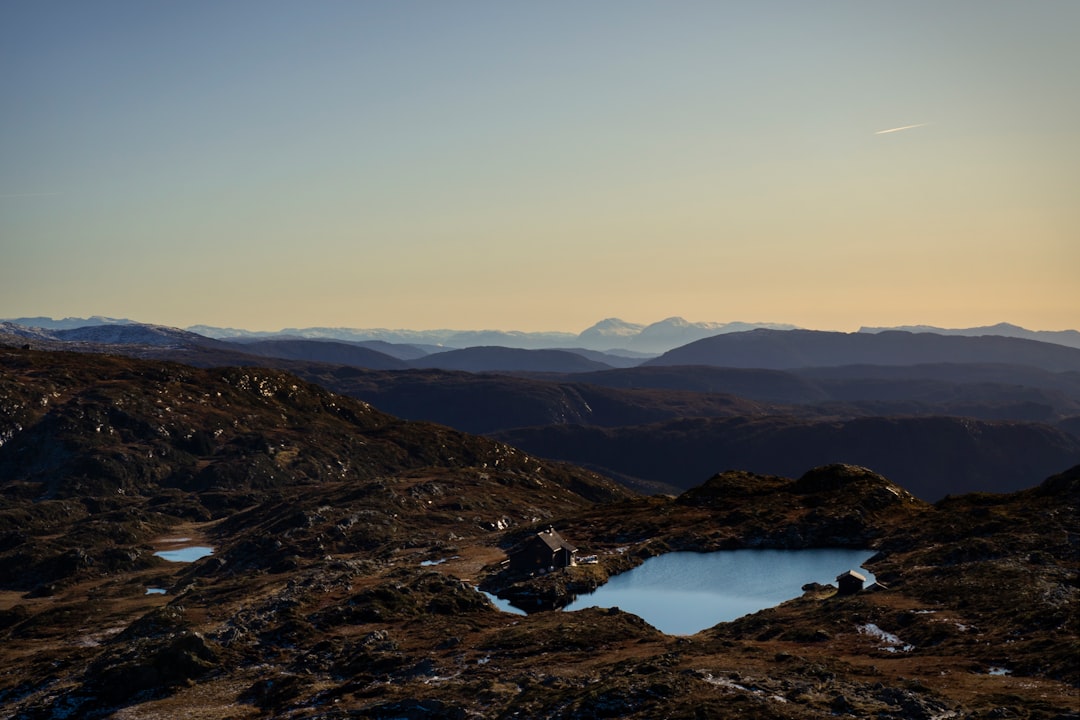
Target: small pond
<point>683,593</point>
<point>504,605</point>
<point>187,554</point>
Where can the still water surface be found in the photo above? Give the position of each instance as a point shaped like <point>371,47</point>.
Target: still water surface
<point>504,605</point>
<point>188,554</point>
<point>684,592</point>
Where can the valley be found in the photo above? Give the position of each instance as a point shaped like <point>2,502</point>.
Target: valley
<point>939,413</point>
<point>350,547</point>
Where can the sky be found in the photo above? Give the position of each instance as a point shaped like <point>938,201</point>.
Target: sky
<point>541,165</point>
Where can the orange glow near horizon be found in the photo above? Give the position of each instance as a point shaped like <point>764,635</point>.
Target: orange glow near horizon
<point>541,168</point>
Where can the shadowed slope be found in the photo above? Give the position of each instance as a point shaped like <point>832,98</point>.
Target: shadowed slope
<point>786,349</point>
<point>931,456</point>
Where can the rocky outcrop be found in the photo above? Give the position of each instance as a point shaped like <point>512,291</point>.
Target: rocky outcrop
<point>316,603</point>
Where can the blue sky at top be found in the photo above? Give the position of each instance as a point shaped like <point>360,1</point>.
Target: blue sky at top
<point>540,165</point>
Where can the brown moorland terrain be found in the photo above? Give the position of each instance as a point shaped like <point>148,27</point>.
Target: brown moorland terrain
<point>935,429</point>
<point>315,602</point>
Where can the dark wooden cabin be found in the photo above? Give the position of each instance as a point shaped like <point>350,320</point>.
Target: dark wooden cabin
<point>544,551</point>
<point>849,583</point>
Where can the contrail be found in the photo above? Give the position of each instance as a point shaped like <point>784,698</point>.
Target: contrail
<point>902,127</point>
<point>19,195</point>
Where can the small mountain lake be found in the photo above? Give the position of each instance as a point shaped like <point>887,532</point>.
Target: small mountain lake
<point>504,605</point>
<point>185,554</point>
<point>682,593</point>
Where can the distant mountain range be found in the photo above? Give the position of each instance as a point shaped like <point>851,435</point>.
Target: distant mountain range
<point>504,359</point>
<point>1059,337</point>
<point>803,396</point>
<point>119,333</point>
<point>759,348</point>
<point>68,323</point>
<point>611,335</point>
<point>328,351</point>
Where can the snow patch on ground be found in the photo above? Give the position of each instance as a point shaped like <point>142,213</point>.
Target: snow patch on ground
<point>891,643</point>
<point>729,684</point>
<point>430,563</point>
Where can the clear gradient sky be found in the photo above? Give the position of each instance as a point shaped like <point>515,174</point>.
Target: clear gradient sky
<point>541,165</point>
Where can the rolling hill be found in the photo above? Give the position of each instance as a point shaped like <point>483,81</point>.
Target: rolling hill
<point>324,351</point>
<point>505,359</point>
<point>931,457</point>
<point>788,349</point>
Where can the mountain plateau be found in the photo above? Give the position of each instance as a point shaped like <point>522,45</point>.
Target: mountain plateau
<point>347,545</point>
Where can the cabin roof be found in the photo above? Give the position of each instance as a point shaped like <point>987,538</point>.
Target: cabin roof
<point>851,574</point>
<point>555,541</point>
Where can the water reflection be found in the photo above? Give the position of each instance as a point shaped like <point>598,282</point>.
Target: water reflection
<point>504,605</point>
<point>683,593</point>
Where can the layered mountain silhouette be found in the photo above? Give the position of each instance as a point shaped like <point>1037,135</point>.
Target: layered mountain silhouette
<point>611,334</point>
<point>560,399</point>
<point>484,403</point>
<point>1058,337</point>
<point>979,390</point>
<point>112,334</point>
<point>487,359</point>
<point>932,456</point>
<point>70,323</point>
<point>614,333</point>
<point>327,351</point>
<point>489,402</point>
<point>786,349</point>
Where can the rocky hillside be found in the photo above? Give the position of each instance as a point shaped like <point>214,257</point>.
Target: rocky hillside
<point>347,545</point>
<point>127,448</point>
